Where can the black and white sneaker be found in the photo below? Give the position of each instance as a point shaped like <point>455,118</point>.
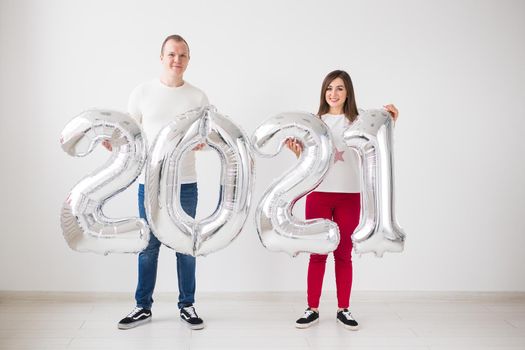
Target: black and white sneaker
<point>135,318</point>
<point>309,318</point>
<point>190,317</point>
<point>345,318</point>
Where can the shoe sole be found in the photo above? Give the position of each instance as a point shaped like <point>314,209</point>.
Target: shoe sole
<point>134,324</point>
<point>306,325</point>
<point>352,328</point>
<point>194,327</point>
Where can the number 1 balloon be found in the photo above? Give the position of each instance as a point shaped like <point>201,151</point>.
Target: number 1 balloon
<point>171,225</point>
<point>371,136</point>
<point>84,225</point>
<point>278,229</point>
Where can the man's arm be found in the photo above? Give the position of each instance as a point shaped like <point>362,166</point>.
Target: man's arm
<point>134,104</point>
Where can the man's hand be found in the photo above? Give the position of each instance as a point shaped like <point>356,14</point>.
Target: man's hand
<point>107,145</point>
<point>199,147</point>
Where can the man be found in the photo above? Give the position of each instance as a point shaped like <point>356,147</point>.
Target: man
<point>154,104</point>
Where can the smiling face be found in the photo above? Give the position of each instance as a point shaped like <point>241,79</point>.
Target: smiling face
<point>175,58</point>
<point>335,96</point>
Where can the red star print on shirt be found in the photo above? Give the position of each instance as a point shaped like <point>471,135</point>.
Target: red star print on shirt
<point>338,155</point>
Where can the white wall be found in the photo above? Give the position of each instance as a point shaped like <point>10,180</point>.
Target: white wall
<point>455,69</point>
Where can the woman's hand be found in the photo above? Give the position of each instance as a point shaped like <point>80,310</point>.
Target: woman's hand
<point>392,110</point>
<point>295,146</point>
<point>107,145</point>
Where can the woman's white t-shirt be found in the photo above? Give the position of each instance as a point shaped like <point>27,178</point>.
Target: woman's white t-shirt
<point>344,174</point>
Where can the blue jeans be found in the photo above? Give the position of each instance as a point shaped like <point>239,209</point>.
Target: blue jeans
<point>148,258</point>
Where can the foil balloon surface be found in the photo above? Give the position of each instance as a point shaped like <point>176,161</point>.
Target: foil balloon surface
<point>170,224</point>
<point>278,229</point>
<point>84,225</point>
<point>371,135</point>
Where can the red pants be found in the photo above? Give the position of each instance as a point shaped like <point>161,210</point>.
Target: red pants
<point>343,209</point>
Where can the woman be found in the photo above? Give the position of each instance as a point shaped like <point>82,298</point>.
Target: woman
<point>337,198</point>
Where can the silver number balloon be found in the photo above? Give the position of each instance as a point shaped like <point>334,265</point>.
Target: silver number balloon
<point>278,229</point>
<point>84,225</point>
<point>170,224</point>
<point>371,136</point>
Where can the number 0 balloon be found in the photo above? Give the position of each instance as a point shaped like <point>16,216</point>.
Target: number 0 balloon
<point>371,136</point>
<point>171,225</point>
<point>84,225</point>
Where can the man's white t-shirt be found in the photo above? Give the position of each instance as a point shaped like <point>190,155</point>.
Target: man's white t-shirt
<point>154,105</point>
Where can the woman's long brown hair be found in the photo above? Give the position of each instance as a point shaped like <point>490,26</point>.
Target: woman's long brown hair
<point>350,107</point>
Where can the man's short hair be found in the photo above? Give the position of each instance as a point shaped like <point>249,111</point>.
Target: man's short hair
<point>175,37</point>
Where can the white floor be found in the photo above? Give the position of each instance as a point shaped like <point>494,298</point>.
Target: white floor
<point>266,321</point>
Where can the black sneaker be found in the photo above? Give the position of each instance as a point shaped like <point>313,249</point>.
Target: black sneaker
<point>309,318</point>
<point>345,318</point>
<point>135,318</point>
<point>189,316</point>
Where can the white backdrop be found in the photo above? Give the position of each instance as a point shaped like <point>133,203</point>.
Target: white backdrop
<point>455,69</point>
